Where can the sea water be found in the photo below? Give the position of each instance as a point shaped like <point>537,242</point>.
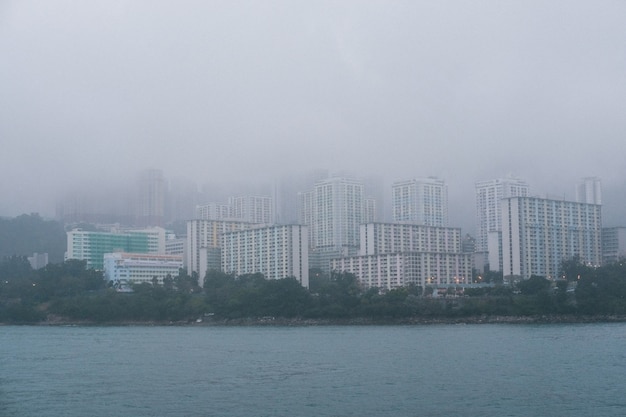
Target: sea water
<point>424,370</point>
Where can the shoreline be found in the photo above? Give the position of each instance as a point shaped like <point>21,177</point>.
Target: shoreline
<point>357,321</point>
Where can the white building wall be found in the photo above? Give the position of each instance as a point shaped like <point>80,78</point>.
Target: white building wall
<point>134,268</point>
<point>206,234</point>
<point>421,201</point>
<point>488,210</point>
<point>393,270</point>
<point>275,251</point>
<point>589,191</point>
<point>400,237</point>
<point>338,208</point>
<point>538,234</point>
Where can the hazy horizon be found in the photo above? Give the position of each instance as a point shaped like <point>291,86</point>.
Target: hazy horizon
<point>233,91</point>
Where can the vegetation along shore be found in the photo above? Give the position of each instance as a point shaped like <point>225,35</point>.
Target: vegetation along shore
<point>68,293</point>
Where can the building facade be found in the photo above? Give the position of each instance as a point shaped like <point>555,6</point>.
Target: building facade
<point>204,242</point>
<point>376,238</point>
<point>393,255</point>
<point>213,211</point>
<point>151,193</point>
<point>613,244</point>
<point>90,246</point>
<point>253,209</point>
<point>275,251</point>
<point>421,201</point>
<point>393,270</point>
<point>538,234</point>
<point>489,194</point>
<point>589,190</point>
<point>333,211</point>
<point>126,269</point>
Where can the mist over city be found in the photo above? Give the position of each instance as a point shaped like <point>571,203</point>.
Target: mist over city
<point>247,93</point>
<point>312,208</point>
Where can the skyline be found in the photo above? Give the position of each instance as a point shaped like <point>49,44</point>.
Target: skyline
<point>225,195</point>
<point>95,92</point>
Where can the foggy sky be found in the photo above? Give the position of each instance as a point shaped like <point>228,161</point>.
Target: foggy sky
<point>465,91</point>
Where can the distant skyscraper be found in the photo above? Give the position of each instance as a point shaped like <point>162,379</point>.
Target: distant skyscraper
<point>421,201</point>
<point>286,194</point>
<point>213,211</point>
<point>181,199</point>
<point>252,208</point>
<point>245,208</point>
<point>589,191</point>
<point>151,198</point>
<point>488,215</point>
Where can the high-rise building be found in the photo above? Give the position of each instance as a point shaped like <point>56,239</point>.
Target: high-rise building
<point>370,210</point>
<point>151,198</point>
<point>392,270</point>
<point>398,254</point>
<point>489,215</point>
<point>539,234</point>
<point>90,246</point>
<point>421,201</point>
<point>338,208</point>
<point>204,244</point>
<point>286,192</point>
<point>181,199</point>
<point>333,210</point>
<point>275,251</point>
<point>213,211</point>
<point>613,244</point>
<point>246,208</point>
<point>589,191</point>
<point>402,237</point>
<point>252,209</point>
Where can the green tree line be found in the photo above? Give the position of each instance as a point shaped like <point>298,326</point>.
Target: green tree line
<point>69,291</point>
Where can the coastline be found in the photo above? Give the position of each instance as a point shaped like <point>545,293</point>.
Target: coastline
<point>356,321</point>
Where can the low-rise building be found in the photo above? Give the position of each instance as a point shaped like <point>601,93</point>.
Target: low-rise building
<point>126,269</point>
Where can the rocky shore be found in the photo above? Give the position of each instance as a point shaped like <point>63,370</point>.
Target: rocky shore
<point>357,321</point>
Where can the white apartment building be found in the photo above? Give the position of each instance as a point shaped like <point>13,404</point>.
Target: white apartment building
<point>613,244</point>
<point>275,251</point>
<point>370,210</point>
<point>252,209</point>
<point>398,254</point>
<point>421,201</point>
<point>338,208</point>
<point>136,268</point>
<point>90,246</point>
<point>246,208</point>
<point>538,234</point>
<point>378,238</point>
<point>213,211</point>
<point>392,270</point>
<point>175,246</point>
<point>589,191</point>
<point>488,215</point>
<point>203,243</point>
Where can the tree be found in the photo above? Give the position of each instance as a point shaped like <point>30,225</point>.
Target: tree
<point>573,269</point>
<point>533,285</point>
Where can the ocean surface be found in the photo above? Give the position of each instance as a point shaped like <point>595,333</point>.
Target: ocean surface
<point>426,370</point>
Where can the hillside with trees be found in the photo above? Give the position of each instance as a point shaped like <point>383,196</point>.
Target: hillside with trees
<point>29,233</point>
